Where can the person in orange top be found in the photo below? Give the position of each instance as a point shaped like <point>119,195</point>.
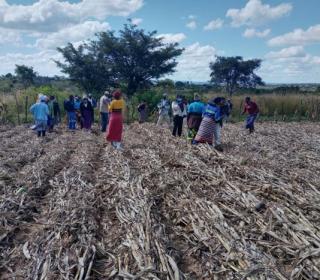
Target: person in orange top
<point>116,108</point>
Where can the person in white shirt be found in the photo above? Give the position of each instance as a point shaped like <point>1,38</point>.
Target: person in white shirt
<point>179,112</point>
<point>163,110</point>
<point>104,110</point>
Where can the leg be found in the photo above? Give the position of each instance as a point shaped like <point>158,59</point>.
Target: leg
<point>160,119</point>
<point>39,133</point>
<point>180,125</point>
<point>175,125</point>
<point>43,133</point>
<point>217,134</point>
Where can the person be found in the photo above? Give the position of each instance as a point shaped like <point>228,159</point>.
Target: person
<point>252,109</point>
<point>51,115</point>
<point>104,110</point>
<point>40,113</point>
<point>143,111</point>
<point>71,112</point>
<point>211,115</point>
<point>163,110</point>
<point>93,104</point>
<point>86,114</point>
<point>179,113</point>
<point>56,112</point>
<point>116,108</point>
<point>77,103</point>
<point>194,116</point>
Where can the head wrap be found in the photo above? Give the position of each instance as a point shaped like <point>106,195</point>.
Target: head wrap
<point>117,94</point>
<point>43,98</point>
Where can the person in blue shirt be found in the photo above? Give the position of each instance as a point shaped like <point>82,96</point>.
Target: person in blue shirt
<point>71,112</point>
<point>40,113</point>
<point>212,115</point>
<point>194,116</point>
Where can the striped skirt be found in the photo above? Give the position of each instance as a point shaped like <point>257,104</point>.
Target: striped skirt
<point>206,130</point>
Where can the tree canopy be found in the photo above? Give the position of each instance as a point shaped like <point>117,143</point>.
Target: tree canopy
<point>134,58</point>
<point>234,72</point>
<point>25,75</point>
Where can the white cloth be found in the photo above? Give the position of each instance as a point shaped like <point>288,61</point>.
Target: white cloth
<point>164,107</point>
<point>163,119</point>
<point>217,134</point>
<point>104,104</point>
<point>176,110</point>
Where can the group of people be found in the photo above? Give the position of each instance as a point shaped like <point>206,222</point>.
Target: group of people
<point>204,120</point>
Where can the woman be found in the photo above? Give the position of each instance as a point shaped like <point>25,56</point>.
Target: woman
<point>86,113</point>
<point>252,109</point>
<point>40,113</point>
<point>143,112</point>
<point>194,117</point>
<point>179,112</point>
<point>211,116</point>
<point>116,108</point>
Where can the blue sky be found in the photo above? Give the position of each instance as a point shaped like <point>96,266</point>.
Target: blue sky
<point>285,34</point>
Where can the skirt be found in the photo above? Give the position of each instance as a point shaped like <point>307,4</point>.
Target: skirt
<point>114,133</point>
<point>194,121</point>
<point>206,131</point>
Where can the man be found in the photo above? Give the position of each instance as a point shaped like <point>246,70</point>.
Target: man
<point>252,109</point>
<point>179,113</point>
<point>104,110</point>
<point>163,110</point>
<point>71,112</point>
<point>194,116</point>
<point>40,113</point>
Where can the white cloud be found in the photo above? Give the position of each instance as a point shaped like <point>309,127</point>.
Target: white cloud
<point>291,64</point>
<point>172,38</point>
<point>214,24</point>
<point>257,13</point>
<point>251,32</point>
<point>298,36</point>
<point>295,51</point>
<point>193,64</point>
<point>8,36</point>
<point>136,21</point>
<point>192,24</point>
<point>42,62</point>
<point>73,34</point>
<point>192,17</point>
<point>53,15</point>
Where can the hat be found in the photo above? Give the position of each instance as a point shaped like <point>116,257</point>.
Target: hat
<point>43,98</point>
<point>106,92</point>
<point>117,94</point>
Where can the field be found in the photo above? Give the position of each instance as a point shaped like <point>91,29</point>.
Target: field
<point>71,207</point>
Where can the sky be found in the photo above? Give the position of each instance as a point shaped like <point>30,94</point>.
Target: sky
<point>284,34</point>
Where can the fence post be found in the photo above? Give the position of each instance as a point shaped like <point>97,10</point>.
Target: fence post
<point>26,109</point>
<point>17,106</point>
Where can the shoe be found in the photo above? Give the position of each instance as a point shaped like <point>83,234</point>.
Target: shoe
<point>218,148</point>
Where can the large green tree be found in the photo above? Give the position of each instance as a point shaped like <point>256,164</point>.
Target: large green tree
<point>134,57</point>
<point>25,75</point>
<point>234,72</point>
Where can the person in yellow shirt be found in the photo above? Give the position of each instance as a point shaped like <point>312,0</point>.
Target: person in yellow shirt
<point>115,127</point>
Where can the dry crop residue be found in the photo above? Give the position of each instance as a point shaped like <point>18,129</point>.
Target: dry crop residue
<point>71,207</point>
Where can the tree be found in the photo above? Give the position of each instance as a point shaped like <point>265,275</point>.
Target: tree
<point>234,72</point>
<point>90,70</point>
<point>25,75</point>
<point>135,57</point>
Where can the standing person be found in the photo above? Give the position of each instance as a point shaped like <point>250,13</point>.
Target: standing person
<point>116,108</point>
<point>208,124</point>
<point>179,113</point>
<point>56,112</point>
<point>93,104</point>
<point>51,115</point>
<point>71,112</point>
<point>143,111</point>
<point>163,110</point>
<point>194,116</point>
<point>252,109</point>
<point>40,113</point>
<point>104,110</point>
<point>86,114</point>
<point>77,103</point>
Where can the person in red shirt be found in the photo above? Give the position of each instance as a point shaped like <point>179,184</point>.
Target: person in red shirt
<point>252,109</point>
